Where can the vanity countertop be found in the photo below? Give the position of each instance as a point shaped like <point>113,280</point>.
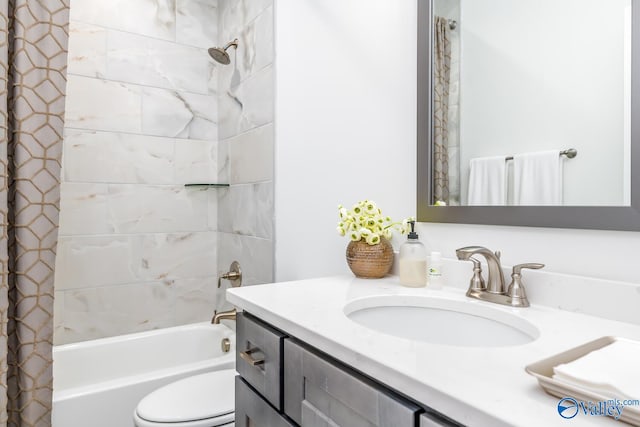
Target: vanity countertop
<point>475,386</point>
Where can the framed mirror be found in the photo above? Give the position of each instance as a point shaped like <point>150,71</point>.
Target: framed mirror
<point>502,85</point>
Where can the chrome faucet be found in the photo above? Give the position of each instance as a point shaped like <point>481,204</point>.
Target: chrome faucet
<point>495,291</point>
<point>495,281</point>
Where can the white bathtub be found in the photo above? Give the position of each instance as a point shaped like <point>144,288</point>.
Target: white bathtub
<point>99,383</point>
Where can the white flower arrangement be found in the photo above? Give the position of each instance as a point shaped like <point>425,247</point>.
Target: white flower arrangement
<point>364,221</point>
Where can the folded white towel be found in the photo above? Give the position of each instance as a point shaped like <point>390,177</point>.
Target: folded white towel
<point>538,178</point>
<point>611,371</point>
<point>487,185</point>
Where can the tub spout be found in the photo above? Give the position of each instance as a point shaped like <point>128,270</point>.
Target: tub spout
<point>224,315</point>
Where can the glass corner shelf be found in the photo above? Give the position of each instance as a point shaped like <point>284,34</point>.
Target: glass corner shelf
<point>206,185</point>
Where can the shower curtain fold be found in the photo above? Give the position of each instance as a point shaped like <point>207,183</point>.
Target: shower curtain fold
<point>33,57</point>
<point>442,78</point>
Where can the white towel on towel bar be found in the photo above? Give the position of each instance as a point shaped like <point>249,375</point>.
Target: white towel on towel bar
<point>537,178</point>
<point>487,181</point>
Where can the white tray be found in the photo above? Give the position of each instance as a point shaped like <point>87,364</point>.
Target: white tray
<point>543,371</point>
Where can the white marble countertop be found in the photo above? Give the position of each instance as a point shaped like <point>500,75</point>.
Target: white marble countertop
<point>472,385</point>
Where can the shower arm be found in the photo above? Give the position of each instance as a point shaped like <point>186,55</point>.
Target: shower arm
<point>233,43</point>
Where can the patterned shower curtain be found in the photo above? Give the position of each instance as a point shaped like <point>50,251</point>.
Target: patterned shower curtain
<point>441,81</point>
<point>33,58</point>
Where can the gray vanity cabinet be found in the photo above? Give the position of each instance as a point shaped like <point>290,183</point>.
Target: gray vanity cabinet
<point>285,382</point>
<point>259,357</point>
<point>253,411</point>
<point>320,393</point>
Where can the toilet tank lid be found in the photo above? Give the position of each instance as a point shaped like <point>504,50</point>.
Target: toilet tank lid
<point>194,398</point>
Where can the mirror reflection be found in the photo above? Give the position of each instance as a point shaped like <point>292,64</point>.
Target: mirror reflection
<point>531,102</point>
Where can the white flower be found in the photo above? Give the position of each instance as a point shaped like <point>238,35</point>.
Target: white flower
<point>341,231</point>
<point>373,239</point>
<point>370,207</point>
<point>364,232</point>
<point>355,236</point>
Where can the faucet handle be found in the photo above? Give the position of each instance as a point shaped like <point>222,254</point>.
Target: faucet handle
<point>234,275</point>
<point>517,269</point>
<point>515,293</point>
<point>477,282</point>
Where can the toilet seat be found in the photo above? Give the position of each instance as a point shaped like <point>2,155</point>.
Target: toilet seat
<point>204,400</point>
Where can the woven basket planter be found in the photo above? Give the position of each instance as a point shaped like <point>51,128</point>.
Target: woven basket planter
<point>370,261</point>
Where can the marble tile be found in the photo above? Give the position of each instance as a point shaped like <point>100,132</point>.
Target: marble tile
<point>179,114</point>
<point>177,255</point>
<point>212,197</point>
<point>153,18</point>
<point>196,299</point>
<point>58,317</point>
<point>251,155</point>
<point>197,23</point>
<point>264,202</point>
<point>255,256</point>
<point>118,109</point>
<point>247,210</point>
<point>116,310</point>
<point>87,50</point>
<point>214,75</point>
<point>255,50</point>
<point>247,106</point>
<point>152,62</point>
<point>223,161</point>
<point>93,156</point>
<point>196,161</point>
<point>204,123</point>
<point>90,261</point>
<point>235,14</point>
<point>150,209</point>
<point>83,209</point>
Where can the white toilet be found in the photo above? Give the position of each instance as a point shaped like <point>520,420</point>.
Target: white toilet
<point>205,400</point>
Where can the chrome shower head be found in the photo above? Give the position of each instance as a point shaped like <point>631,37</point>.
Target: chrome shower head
<point>220,54</point>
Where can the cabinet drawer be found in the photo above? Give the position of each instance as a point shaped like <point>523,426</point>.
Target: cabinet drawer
<point>259,357</point>
<point>319,392</point>
<point>433,420</point>
<point>253,411</point>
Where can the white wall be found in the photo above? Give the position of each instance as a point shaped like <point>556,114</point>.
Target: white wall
<point>545,74</point>
<point>333,104</point>
<point>345,123</point>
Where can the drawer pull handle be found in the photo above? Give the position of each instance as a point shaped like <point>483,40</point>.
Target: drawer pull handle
<point>247,357</point>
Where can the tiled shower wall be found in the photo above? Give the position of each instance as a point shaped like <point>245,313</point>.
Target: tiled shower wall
<point>246,140</point>
<point>137,250</point>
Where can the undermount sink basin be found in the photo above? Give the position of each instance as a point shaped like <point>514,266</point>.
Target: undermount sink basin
<point>442,321</point>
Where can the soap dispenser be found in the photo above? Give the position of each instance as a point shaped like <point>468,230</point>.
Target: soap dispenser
<point>413,261</point>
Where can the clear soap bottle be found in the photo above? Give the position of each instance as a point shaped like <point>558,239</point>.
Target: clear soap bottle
<point>413,261</point>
